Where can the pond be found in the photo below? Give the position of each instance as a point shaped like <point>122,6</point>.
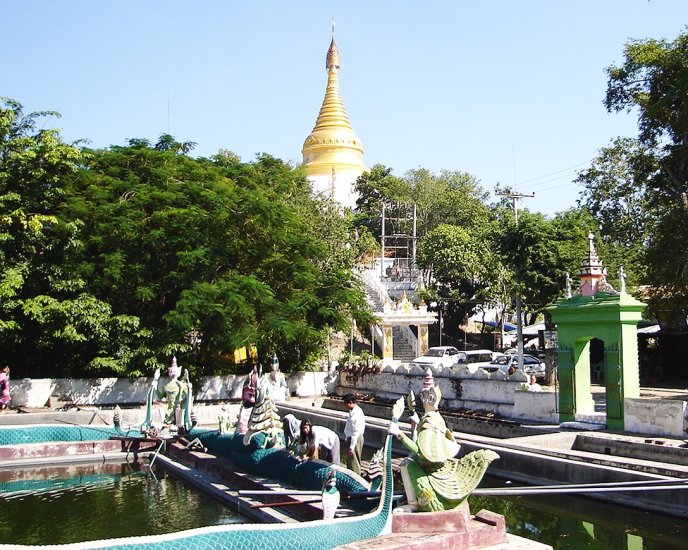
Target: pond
<point>575,523</point>
<point>77,503</point>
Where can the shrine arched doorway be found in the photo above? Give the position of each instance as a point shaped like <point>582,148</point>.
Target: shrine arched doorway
<point>404,314</point>
<point>600,328</point>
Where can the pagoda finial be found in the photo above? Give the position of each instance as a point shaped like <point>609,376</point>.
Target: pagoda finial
<point>592,251</point>
<point>332,58</point>
<point>592,274</point>
<point>332,142</point>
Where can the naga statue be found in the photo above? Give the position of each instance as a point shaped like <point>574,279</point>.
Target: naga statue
<point>264,418</point>
<point>257,447</point>
<point>433,478</point>
<point>179,415</point>
<point>175,393</point>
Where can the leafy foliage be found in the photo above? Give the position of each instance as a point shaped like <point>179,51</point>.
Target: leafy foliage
<point>112,258</point>
<point>650,178</point>
<point>49,321</point>
<point>374,188</point>
<point>453,260</point>
<point>538,252</point>
<point>227,249</point>
<point>616,194</point>
<point>454,198</point>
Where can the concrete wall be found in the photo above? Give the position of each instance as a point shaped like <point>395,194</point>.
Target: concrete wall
<point>536,406</point>
<point>655,416</point>
<point>207,415</point>
<point>35,393</point>
<point>495,392</point>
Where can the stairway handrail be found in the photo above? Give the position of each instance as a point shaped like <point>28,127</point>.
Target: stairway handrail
<point>374,283</point>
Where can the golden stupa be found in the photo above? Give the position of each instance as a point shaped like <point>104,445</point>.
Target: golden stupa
<point>332,153</point>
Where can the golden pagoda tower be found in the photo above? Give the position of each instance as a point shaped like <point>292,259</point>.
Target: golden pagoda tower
<point>332,153</point>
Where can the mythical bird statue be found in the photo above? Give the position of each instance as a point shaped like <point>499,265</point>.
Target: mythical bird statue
<point>435,480</point>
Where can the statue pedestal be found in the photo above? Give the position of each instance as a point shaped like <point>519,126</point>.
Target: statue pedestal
<point>453,528</point>
<point>442,530</point>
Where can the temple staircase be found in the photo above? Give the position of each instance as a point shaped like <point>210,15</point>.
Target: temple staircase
<point>403,351</point>
<point>376,295</point>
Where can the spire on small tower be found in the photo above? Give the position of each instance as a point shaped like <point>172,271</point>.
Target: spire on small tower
<point>592,274</point>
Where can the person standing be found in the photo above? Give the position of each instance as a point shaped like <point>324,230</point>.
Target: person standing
<point>4,388</point>
<point>291,426</point>
<point>353,433</point>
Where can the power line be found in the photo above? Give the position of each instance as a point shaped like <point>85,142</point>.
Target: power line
<point>554,187</point>
<point>553,173</point>
<point>545,182</point>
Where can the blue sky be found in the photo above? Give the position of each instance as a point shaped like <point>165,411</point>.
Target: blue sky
<point>509,91</point>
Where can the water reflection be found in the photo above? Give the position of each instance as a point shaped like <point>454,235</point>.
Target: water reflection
<point>99,501</point>
<point>573,523</point>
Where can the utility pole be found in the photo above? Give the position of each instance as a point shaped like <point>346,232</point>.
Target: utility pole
<point>519,321</point>
<point>515,197</point>
<point>382,244</point>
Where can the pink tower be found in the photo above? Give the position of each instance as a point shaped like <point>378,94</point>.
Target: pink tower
<point>593,274</point>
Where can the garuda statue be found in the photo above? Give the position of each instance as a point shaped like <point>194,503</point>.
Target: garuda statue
<point>433,478</point>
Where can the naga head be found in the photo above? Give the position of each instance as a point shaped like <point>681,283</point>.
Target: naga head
<point>330,482</point>
<point>174,371</point>
<point>431,394</point>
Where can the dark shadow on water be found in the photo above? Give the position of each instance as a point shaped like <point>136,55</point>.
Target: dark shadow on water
<point>573,523</point>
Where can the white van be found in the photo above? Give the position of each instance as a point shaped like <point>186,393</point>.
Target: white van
<point>476,358</point>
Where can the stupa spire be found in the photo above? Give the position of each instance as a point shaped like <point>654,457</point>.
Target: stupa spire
<point>333,143</point>
<point>332,58</point>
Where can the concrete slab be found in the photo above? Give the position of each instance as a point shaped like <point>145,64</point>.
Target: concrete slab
<point>426,541</point>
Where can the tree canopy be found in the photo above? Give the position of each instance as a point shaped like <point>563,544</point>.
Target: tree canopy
<point>638,189</point>
<point>112,258</point>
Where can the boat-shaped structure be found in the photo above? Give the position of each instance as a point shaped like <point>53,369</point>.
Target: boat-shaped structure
<point>312,535</point>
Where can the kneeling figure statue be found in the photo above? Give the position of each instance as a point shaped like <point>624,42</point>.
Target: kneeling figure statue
<point>433,478</point>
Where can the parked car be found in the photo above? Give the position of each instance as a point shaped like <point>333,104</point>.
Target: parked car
<point>474,356</point>
<point>531,365</point>
<point>439,357</point>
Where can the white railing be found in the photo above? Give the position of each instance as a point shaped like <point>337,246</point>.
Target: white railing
<point>410,338</point>
<point>370,278</point>
<point>379,337</point>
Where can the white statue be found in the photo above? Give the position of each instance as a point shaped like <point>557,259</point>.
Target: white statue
<point>622,280</point>
<point>278,382</point>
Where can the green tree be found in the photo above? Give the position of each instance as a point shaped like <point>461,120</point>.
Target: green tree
<point>539,252</point>
<point>374,188</point>
<point>455,269</point>
<point>228,249</point>
<point>616,193</point>
<point>166,142</point>
<point>653,80</point>
<point>454,198</point>
<point>49,323</point>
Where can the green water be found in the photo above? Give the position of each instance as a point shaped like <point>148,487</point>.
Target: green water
<point>110,500</point>
<point>575,523</point>
<point>83,503</point>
